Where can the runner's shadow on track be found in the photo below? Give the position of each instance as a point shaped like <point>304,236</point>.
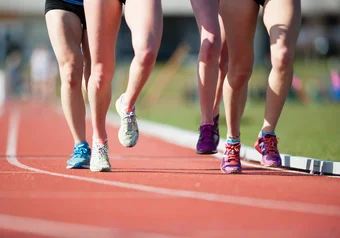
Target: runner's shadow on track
<point>180,171</point>
<point>210,171</point>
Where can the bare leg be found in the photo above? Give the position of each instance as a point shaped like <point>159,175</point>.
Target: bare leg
<point>223,69</point>
<point>206,13</point>
<point>282,20</point>
<point>65,33</point>
<point>239,19</point>
<point>103,21</point>
<point>87,60</point>
<point>145,21</point>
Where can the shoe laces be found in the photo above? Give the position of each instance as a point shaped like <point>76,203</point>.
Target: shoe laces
<point>79,152</point>
<point>102,150</point>
<point>130,118</point>
<point>233,152</point>
<point>270,145</point>
<point>206,133</point>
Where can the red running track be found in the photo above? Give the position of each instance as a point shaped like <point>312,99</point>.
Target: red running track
<point>156,189</point>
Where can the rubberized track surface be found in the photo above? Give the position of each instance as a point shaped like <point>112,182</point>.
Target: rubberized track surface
<point>156,189</point>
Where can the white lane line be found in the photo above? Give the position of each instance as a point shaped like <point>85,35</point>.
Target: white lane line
<point>65,230</point>
<point>237,200</point>
<point>17,172</point>
<point>79,195</point>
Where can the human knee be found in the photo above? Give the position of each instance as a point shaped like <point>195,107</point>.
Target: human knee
<point>71,72</point>
<point>145,52</point>
<point>101,74</point>
<point>238,77</point>
<point>210,47</point>
<point>282,59</point>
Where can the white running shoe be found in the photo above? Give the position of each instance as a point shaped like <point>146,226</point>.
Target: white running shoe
<point>128,132</point>
<point>99,158</point>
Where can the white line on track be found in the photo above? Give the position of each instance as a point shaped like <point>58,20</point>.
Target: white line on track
<point>17,172</point>
<point>66,230</point>
<point>236,200</point>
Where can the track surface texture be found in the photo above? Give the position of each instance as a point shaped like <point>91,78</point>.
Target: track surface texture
<point>155,189</point>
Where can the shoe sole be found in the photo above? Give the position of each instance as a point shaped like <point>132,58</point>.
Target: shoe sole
<point>234,171</point>
<point>270,165</point>
<point>76,166</point>
<point>100,169</point>
<point>206,152</point>
<point>126,145</point>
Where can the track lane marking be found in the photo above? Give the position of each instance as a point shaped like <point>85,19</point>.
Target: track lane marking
<point>308,208</point>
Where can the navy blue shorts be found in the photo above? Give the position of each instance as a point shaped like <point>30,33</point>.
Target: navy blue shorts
<point>62,5</point>
<point>66,6</point>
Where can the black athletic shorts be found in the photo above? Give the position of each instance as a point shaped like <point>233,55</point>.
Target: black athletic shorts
<point>62,5</point>
<point>260,2</point>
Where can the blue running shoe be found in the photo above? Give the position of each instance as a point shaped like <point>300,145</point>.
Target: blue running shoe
<point>80,157</point>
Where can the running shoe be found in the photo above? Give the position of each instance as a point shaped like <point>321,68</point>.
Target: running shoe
<point>99,159</point>
<point>128,133</point>
<point>206,143</point>
<point>267,146</point>
<point>81,157</point>
<point>231,161</point>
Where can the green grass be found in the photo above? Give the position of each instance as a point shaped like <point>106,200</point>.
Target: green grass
<point>311,130</point>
